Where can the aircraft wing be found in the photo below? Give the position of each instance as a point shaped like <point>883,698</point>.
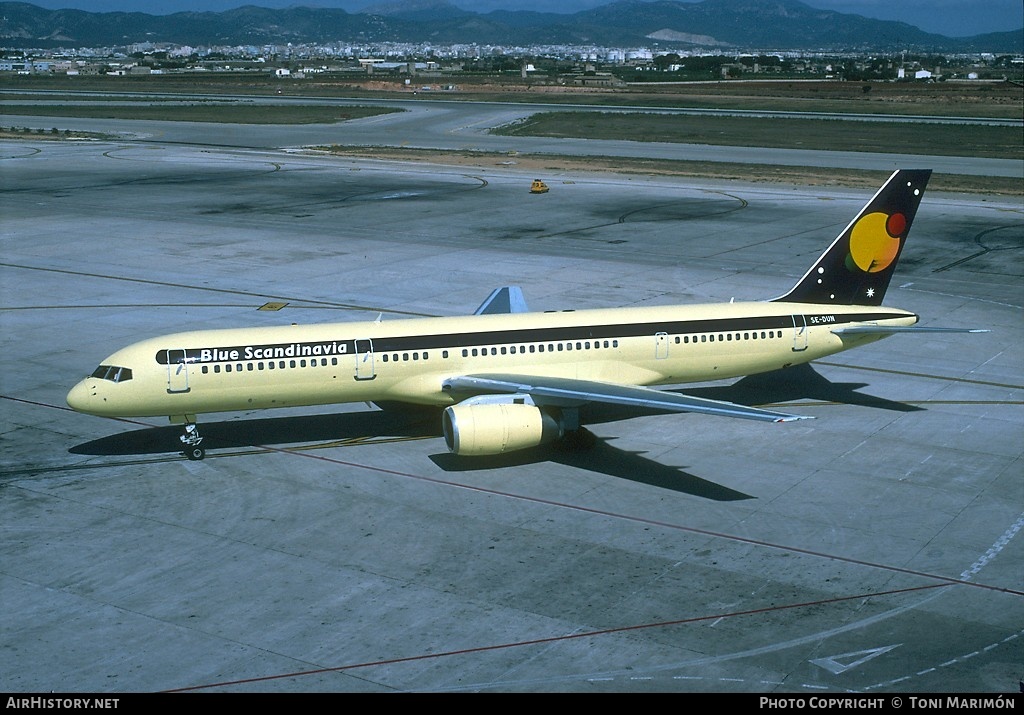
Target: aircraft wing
<point>567,392</point>
<point>891,329</point>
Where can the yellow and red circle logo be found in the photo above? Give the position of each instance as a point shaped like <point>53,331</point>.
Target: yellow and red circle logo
<point>875,241</point>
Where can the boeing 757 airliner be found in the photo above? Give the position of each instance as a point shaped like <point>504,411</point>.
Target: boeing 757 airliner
<point>510,379</point>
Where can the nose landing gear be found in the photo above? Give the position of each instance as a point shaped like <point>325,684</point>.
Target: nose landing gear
<point>191,440</point>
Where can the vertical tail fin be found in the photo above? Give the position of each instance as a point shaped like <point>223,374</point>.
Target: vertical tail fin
<point>507,299</point>
<point>857,267</point>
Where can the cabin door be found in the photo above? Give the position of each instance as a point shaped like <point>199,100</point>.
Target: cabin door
<point>177,371</point>
<point>364,359</point>
<point>660,346</point>
<point>799,333</point>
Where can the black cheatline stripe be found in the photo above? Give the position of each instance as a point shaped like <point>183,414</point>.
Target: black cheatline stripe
<point>524,335</point>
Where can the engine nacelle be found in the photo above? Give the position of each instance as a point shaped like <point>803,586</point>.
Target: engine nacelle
<point>477,429</point>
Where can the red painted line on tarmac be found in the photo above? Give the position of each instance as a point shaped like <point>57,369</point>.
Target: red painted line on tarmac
<point>945,580</point>
<point>598,512</point>
<point>654,522</point>
<point>552,639</point>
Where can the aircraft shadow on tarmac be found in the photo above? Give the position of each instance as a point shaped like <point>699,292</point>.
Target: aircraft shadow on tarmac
<point>233,434</point>
<point>594,454</point>
<point>801,382</point>
<point>588,452</point>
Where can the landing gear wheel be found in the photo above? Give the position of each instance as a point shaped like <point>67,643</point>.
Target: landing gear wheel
<point>191,440</point>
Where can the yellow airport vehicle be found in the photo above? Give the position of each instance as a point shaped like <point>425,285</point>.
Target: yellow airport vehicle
<point>538,187</point>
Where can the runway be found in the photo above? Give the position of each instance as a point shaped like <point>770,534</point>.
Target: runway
<point>465,126</point>
<point>875,549</point>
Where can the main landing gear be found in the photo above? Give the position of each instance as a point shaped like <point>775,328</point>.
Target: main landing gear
<point>191,440</point>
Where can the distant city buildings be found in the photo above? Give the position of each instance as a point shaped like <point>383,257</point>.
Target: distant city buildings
<point>583,66</point>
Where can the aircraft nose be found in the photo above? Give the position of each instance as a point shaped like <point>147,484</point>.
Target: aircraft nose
<point>80,397</point>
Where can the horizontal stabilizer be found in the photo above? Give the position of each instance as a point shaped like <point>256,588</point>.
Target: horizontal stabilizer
<point>566,392</point>
<point>508,299</point>
<point>891,329</point>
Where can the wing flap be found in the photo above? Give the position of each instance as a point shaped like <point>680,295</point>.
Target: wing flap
<point>565,392</point>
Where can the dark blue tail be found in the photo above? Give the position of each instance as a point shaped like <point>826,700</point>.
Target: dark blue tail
<point>857,267</point>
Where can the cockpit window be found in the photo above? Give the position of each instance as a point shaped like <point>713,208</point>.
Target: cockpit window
<point>113,373</point>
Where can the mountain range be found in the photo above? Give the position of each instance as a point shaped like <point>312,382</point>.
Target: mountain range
<point>715,25</point>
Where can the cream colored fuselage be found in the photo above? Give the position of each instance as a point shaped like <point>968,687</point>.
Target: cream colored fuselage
<point>185,374</point>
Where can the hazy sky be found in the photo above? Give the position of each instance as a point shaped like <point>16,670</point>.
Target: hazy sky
<point>953,18</point>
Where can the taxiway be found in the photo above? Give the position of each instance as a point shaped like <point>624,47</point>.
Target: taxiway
<point>873,549</point>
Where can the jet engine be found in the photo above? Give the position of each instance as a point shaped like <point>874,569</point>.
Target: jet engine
<point>481,428</point>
